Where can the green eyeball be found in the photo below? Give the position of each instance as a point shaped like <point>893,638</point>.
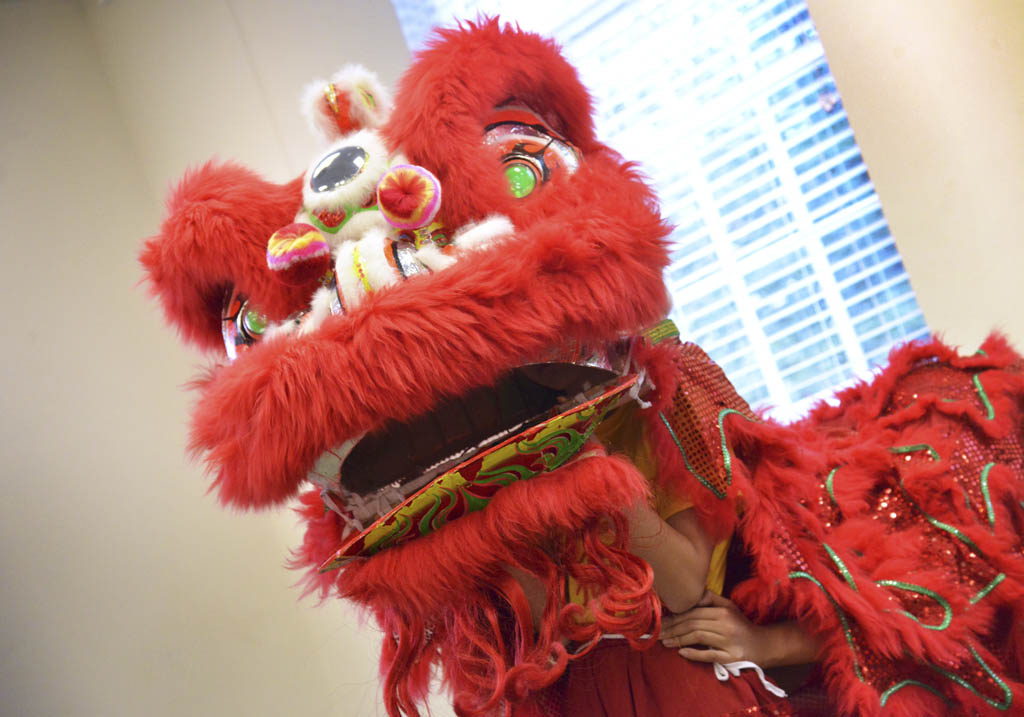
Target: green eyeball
<point>522,179</point>
<point>254,323</point>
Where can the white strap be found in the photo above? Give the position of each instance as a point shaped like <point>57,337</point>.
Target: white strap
<point>722,672</point>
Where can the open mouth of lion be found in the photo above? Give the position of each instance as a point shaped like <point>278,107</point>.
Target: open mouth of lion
<point>367,477</point>
<point>413,452</point>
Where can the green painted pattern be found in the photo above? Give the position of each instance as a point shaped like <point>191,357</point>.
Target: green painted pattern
<point>402,526</point>
<point>908,683</point>
<point>988,588</point>
<point>842,618</point>
<point>988,498</point>
<point>349,213</point>
<point>473,502</point>
<point>661,331</point>
<point>566,443</point>
<point>989,410</point>
<point>842,567</point>
<point>920,590</point>
<point>426,521</point>
<point>504,475</point>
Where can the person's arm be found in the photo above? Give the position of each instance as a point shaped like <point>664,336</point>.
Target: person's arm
<point>728,636</point>
<point>676,549</point>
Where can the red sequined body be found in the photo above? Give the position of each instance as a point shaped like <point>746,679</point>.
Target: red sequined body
<point>889,525</point>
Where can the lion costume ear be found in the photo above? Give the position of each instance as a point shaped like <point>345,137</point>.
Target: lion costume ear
<point>352,99</point>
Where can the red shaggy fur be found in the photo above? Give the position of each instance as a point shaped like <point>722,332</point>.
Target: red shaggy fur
<point>436,596</point>
<point>219,219</point>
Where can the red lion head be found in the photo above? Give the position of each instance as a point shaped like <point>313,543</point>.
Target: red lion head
<point>503,123</point>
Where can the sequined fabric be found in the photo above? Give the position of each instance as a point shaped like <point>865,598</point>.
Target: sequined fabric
<point>702,395</point>
<point>901,529</point>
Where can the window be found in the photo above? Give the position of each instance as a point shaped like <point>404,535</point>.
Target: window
<point>784,269</point>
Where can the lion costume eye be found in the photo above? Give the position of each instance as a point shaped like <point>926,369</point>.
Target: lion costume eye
<point>337,169</point>
<point>241,325</point>
<point>531,153</point>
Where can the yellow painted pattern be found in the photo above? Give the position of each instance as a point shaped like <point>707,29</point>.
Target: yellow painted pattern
<point>279,246</point>
<point>360,270</point>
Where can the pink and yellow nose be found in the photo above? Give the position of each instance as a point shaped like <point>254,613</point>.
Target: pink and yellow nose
<point>298,254</point>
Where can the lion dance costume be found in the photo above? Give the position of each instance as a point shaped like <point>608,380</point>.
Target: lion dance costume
<point>427,329</point>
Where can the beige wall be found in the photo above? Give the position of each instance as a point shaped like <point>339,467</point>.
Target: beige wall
<point>935,92</point>
<point>125,590</point>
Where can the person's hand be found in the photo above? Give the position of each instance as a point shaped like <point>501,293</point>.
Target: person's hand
<point>718,625</point>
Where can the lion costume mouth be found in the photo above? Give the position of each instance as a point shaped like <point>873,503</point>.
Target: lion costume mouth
<point>399,512</point>
<point>424,446</point>
<point>531,420</point>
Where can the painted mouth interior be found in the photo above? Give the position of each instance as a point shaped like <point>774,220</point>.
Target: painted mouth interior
<point>423,447</point>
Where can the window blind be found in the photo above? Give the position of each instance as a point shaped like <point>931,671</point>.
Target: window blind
<point>784,269</point>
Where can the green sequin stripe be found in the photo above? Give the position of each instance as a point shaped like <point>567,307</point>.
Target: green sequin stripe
<point>988,588</point>
<point>666,329</point>
<point>842,567</point>
<point>989,410</point>
<point>988,498</point>
<point>920,590</point>
<point>1007,694</point>
<point>908,683</point>
<point>955,532</point>
<point>726,456</point>
<point>704,481</point>
<point>917,447</point>
<point>828,485</point>
<point>842,618</point>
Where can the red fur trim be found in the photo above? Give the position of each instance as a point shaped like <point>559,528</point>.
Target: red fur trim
<point>219,219</point>
<point>455,84</point>
<point>446,598</point>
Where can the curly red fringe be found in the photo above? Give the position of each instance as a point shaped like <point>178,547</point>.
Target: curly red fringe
<point>447,600</point>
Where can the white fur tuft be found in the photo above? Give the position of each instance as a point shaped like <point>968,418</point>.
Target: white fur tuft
<point>319,309</point>
<point>483,234</point>
<point>433,258</point>
<point>350,81</point>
